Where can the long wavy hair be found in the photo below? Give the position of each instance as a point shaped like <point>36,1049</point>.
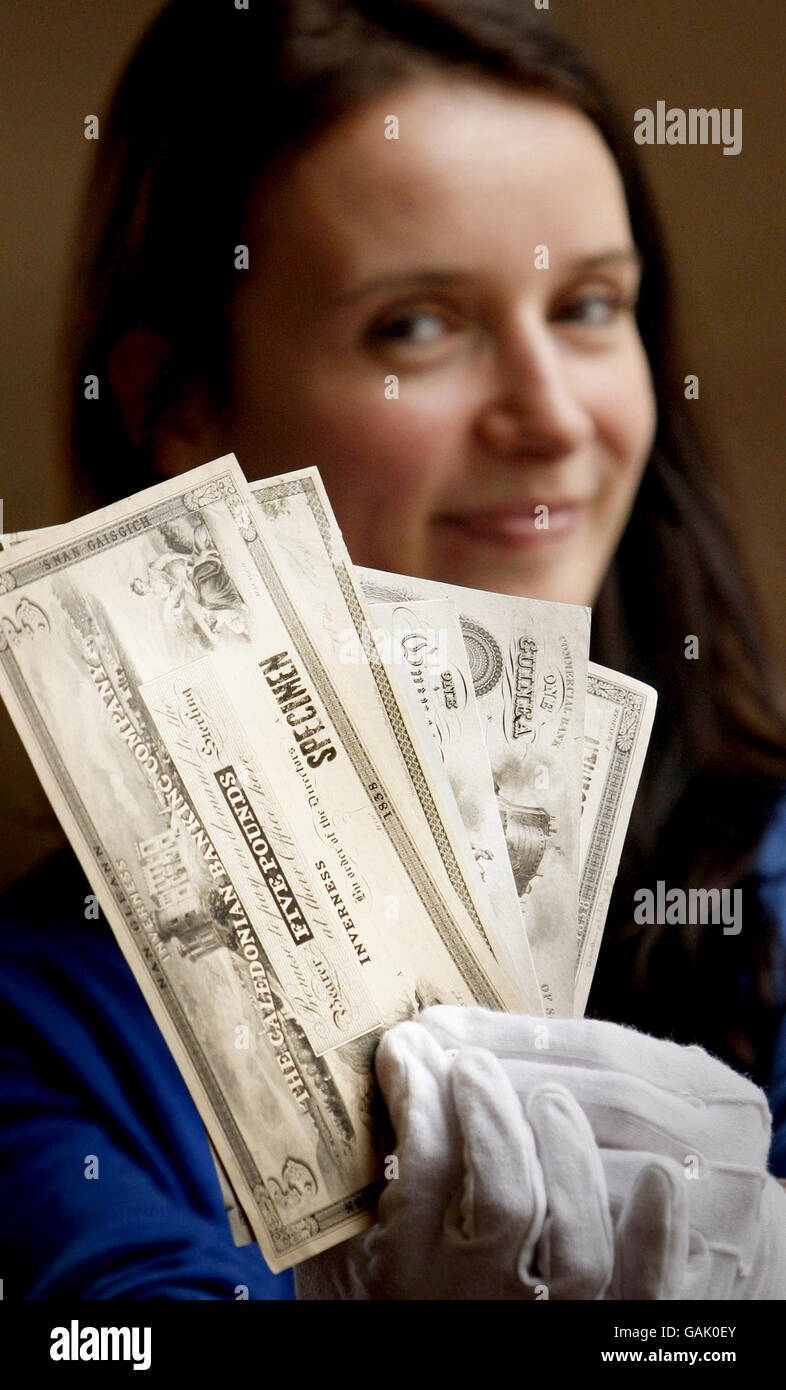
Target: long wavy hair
<point>216,99</point>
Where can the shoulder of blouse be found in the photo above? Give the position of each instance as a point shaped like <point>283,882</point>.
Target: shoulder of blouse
<point>770,878</point>
<point>770,874</point>
<point>771,856</point>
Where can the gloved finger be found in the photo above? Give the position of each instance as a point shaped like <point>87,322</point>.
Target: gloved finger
<point>627,1112</point>
<point>652,1236</point>
<point>704,1269</point>
<point>502,1203</point>
<point>455,1027</point>
<point>688,1071</point>
<point>576,1251</point>
<point>722,1197</point>
<point>622,1167</point>
<point>414,1077</point>
<point>764,1277</point>
<point>721,1208</point>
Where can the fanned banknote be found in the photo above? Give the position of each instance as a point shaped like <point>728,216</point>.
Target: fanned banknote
<point>429,665</point>
<point>276,921</point>
<point>619,713</point>
<point>529,665</point>
<point>297,520</point>
<point>244,842</point>
<point>323,583</point>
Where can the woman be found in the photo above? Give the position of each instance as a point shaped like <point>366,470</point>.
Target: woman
<point>407,242</point>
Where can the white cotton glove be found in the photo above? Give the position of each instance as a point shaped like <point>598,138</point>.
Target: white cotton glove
<point>488,1204</point>
<point>683,1141</point>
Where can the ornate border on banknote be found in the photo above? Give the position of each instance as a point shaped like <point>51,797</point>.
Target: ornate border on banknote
<point>625,740</point>
<point>60,557</point>
<point>305,488</point>
<point>284,1237</point>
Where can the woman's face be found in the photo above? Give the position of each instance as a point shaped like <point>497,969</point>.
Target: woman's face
<point>444,324</point>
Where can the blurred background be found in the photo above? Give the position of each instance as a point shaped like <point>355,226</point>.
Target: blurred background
<point>723,216</point>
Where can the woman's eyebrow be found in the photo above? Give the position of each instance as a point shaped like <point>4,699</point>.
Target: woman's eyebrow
<point>625,254</point>
<point>397,279</point>
<point>439,278</point>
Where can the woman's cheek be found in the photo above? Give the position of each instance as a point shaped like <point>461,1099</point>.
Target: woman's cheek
<point>624,409</point>
<point>639,410</point>
<point>384,458</point>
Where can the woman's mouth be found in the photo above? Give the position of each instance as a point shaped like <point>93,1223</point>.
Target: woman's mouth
<point>537,525</point>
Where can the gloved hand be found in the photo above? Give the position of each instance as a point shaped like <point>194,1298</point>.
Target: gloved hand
<point>682,1138</point>
<point>489,1202</point>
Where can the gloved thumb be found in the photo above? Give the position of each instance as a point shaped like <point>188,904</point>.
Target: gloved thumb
<point>575,1254</point>
<point>414,1077</point>
<point>653,1229</point>
<point>501,1205</point>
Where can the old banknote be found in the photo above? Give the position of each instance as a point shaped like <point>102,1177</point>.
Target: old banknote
<point>429,666</point>
<point>244,842</point>
<point>427,655</point>
<point>619,713</point>
<point>618,718</point>
<point>296,519</point>
<point>241,1232</point>
<point>295,516</point>
<point>529,664</point>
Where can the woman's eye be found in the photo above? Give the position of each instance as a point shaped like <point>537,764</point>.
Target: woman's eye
<point>415,329</point>
<point>594,310</point>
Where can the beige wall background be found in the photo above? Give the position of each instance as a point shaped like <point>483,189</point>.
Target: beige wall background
<point>58,62</point>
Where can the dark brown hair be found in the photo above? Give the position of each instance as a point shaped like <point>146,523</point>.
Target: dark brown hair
<point>214,99</point>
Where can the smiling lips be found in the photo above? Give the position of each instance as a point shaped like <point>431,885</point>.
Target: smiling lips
<point>537,524</point>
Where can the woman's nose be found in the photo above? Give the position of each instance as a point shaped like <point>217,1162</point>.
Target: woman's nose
<point>532,411</point>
